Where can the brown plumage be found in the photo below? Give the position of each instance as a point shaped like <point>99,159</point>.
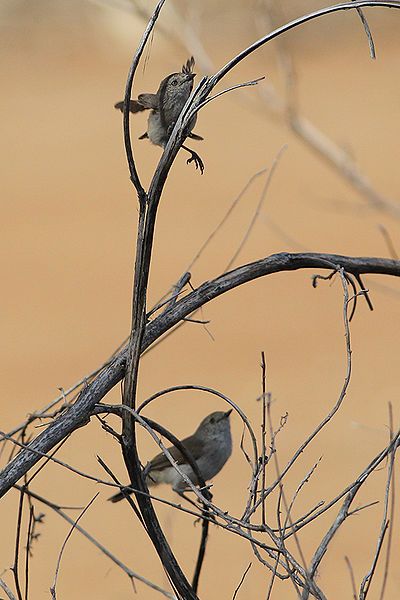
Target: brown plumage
<point>166,106</point>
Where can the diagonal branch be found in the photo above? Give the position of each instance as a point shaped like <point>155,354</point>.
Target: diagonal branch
<point>79,413</point>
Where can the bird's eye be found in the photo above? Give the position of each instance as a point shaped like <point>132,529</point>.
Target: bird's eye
<point>174,82</point>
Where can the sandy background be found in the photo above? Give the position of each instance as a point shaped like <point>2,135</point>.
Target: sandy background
<point>68,229</point>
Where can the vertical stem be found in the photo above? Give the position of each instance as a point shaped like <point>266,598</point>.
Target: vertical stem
<point>148,204</point>
<point>263,432</point>
<point>137,330</point>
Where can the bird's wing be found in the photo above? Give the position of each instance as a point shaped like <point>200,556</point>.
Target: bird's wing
<point>148,101</point>
<point>160,461</point>
<point>144,102</point>
<point>134,106</point>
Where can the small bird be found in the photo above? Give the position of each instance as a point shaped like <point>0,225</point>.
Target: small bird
<point>210,446</point>
<point>166,106</point>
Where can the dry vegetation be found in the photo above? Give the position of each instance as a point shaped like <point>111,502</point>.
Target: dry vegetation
<point>278,513</point>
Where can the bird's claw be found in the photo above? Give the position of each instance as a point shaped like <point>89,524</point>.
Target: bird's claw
<point>197,162</point>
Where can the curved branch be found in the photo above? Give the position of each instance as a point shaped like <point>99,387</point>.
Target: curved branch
<point>275,263</point>
<point>295,23</point>
<point>207,84</point>
<point>128,91</point>
<point>208,390</point>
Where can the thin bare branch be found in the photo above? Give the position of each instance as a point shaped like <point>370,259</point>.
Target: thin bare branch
<point>53,587</point>
<point>367,580</point>
<point>368,33</point>
<point>360,479</point>
<point>7,590</point>
<point>225,218</point>
<point>128,92</point>
<point>335,408</point>
<point>131,574</point>
<point>287,109</point>
<point>241,581</point>
<point>256,214</point>
<point>274,457</point>
<point>352,578</point>
<point>14,568</point>
<point>263,433</point>
<point>230,89</point>
<point>57,461</point>
<point>389,242</point>
<point>44,412</point>
<point>391,512</point>
<point>213,392</point>
<point>28,550</point>
<point>293,24</point>
<point>350,492</point>
<point>302,483</point>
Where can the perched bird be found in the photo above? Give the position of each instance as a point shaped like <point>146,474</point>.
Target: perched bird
<point>166,106</point>
<point>210,446</point>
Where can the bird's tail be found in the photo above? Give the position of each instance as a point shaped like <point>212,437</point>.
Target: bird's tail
<point>127,491</point>
<point>121,495</point>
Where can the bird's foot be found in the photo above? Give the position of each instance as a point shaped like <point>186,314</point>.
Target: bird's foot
<point>194,157</point>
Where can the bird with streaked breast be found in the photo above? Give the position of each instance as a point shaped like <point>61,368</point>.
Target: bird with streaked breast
<point>210,445</point>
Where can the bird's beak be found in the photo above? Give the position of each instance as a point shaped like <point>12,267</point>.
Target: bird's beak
<point>190,76</point>
<point>228,412</point>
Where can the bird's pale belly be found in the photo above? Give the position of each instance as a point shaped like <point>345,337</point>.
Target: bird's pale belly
<point>155,130</point>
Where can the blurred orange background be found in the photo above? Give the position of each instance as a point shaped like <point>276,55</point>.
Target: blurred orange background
<point>68,241</point>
